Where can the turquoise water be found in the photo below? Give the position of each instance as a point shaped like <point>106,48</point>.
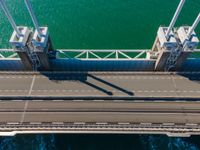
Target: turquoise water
<point>100,24</point>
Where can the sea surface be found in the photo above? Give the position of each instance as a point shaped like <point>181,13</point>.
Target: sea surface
<point>99,24</point>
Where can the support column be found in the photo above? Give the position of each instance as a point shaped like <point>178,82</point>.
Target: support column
<point>166,48</point>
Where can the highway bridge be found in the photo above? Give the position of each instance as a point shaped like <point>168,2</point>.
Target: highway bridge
<point>88,96</point>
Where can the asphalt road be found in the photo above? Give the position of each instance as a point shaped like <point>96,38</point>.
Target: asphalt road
<point>99,112</point>
<point>100,84</point>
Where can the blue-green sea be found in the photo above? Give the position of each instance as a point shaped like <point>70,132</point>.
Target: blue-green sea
<point>99,24</point>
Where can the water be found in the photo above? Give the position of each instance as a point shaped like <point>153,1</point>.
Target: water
<point>99,24</point>
<point>98,142</point>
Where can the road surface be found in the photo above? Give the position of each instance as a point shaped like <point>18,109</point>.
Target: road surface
<point>172,118</point>
<point>100,84</point>
<point>99,112</point>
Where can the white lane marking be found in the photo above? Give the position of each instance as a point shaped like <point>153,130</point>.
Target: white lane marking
<point>145,124</point>
<point>101,123</point>
<point>58,123</point>
<point>17,100</point>
<point>123,123</point>
<point>78,100</point>
<point>31,87</point>
<point>79,123</point>
<point>118,100</point>
<point>35,123</point>
<point>92,91</point>
<point>191,124</point>
<point>57,100</point>
<point>12,123</point>
<point>168,124</point>
<point>98,100</point>
<point>37,100</point>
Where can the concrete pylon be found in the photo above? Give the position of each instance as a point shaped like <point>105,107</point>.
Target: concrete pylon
<point>188,41</point>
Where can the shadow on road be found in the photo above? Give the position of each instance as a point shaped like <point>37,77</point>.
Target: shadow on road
<point>195,77</point>
<point>84,77</point>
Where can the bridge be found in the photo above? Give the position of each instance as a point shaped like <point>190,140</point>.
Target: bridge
<point>48,90</point>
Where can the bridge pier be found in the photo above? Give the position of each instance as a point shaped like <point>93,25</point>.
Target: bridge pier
<point>162,48</point>
<point>22,46</point>
<point>42,45</point>
<point>41,40</point>
<point>188,41</point>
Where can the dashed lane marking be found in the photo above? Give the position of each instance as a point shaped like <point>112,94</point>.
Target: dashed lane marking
<point>93,91</point>
<point>123,123</point>
<point>58,123</point>
<point>78,100</point>
<point>103,77</point>
<point>98,100</point>
<point>35,123</point>
<point>79,123</point>
<point>101,123</point>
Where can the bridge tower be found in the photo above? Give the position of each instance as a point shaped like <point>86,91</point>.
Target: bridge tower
<point>166,45</point>
<point>20,39</point>
<point>188,40</point>
<point>41,40</point>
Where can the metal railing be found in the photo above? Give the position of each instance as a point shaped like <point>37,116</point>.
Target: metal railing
<point>164,128</point>
<point>100,54</point>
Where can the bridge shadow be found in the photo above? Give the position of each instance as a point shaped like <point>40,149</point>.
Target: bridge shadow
<point>195,77</point>
<point>85,78</point>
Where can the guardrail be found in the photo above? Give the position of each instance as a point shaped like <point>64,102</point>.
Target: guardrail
<point>101,54</point>
<point>143,128</point>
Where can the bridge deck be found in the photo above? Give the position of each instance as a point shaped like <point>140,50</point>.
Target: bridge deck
<point>100,84</point>
<point>172,118</point>
<point>99,112</point>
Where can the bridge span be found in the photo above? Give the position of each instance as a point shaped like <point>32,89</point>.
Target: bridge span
<point>100,102</point>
